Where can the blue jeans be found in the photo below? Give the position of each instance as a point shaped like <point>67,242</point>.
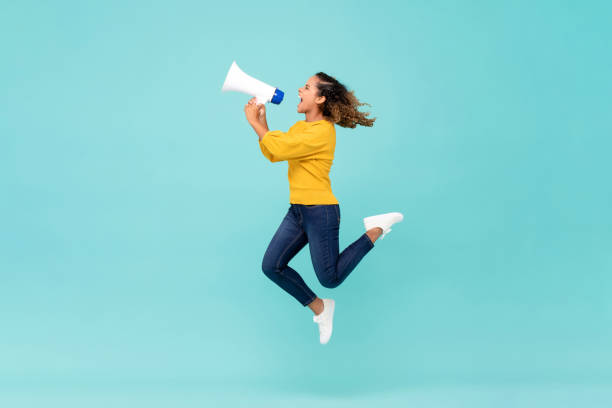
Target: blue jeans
<point>318,226</point>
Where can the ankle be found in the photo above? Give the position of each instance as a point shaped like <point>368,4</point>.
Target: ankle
<point>316,306</point>
<point>374,233</point>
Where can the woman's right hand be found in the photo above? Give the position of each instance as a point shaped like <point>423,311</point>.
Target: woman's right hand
<point>261,111</point>
<point>251,111</point>
<point>262,114</point>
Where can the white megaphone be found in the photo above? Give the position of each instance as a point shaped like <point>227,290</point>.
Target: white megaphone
<point>237,80</point>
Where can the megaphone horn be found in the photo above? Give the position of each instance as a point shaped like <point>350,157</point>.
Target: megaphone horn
<point>237,80</point>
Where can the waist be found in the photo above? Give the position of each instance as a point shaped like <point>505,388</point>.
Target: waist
<point>310,196</point>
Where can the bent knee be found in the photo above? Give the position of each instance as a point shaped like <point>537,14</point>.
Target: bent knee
<point>329,283</point>
<point>269,268</point>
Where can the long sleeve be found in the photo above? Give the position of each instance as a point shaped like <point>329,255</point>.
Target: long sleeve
<point>295,144</point>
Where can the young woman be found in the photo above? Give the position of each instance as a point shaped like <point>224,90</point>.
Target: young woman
<point>314,214</point>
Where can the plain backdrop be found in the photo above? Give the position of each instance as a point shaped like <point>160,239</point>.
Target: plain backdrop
<point>136,205</point>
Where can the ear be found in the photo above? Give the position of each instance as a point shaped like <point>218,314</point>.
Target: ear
<point>319,100</point>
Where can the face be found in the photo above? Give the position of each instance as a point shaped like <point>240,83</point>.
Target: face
<point>309,101</point>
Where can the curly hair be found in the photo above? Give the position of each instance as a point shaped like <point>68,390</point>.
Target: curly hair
<point>341,106</point>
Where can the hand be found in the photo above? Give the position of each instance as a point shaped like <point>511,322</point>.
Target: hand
<point>255,112</point>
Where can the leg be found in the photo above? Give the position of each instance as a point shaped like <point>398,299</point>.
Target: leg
<point>322,226</point>
<point>288,240</point>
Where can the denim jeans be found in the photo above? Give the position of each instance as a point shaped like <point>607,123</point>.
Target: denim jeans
<point>318,226</point>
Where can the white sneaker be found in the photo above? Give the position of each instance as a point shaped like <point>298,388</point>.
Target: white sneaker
<point>325,320</point>
<point>384,221</point>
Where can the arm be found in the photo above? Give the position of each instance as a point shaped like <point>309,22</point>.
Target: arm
<point>296,144</point>
<point>280,146</point>
<point>256,116</point>
<point>260,129</point>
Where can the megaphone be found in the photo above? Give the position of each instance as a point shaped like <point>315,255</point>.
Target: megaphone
<point>237,80</point>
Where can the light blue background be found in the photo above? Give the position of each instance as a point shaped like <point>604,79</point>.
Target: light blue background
<point>136,205</point>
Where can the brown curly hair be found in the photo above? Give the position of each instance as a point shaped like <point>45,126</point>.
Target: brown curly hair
<point>341,106</point>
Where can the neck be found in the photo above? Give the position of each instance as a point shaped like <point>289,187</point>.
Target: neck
<point>313,116</point>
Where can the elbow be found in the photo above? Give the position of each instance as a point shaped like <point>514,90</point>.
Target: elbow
<point>274,158</point>
<point>271,158</point>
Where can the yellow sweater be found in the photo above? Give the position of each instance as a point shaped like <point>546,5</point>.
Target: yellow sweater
<point>309,149</point>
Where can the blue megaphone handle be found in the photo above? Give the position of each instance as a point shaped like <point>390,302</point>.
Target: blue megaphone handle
<point>278,96</point>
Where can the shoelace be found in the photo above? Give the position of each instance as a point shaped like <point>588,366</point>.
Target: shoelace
<point>318,318</point>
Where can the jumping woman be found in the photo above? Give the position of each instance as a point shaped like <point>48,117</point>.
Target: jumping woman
<point>314,214</point>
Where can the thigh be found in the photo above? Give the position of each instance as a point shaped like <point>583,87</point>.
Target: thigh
<point>288,240</point>
<point>322,226</point>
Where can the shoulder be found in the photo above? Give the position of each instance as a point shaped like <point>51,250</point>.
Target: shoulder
<point>325,126</point>
<point>300,124</point>
<point>320,124</point>
<point>319,127</point>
